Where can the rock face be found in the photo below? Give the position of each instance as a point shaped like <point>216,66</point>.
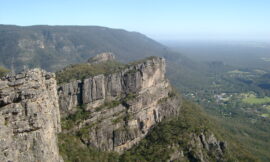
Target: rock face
<point>29,117</point>
<point>94,91</point>
<point>103,57</point>
<point>203,147</point>
<point>111,112</point>
<point>123,106</point>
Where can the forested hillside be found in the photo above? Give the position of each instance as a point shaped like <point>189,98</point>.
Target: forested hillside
<point>54,47</point>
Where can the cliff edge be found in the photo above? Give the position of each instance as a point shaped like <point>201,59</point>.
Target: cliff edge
<point>122,106</point>
<point>29,117</point>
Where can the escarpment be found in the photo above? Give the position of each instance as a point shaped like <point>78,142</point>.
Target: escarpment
<point>29,117</point>
<point>122,107</point>
<point>95,90</point>
<point>109,112</point>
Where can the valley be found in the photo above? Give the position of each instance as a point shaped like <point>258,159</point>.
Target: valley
<point>236,94</point>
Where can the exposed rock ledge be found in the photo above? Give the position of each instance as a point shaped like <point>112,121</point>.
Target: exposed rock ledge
<point>29,117</point>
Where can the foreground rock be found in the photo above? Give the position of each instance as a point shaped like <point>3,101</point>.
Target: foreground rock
<point>29,117</point>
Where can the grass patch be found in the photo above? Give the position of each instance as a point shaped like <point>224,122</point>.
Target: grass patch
<point>256,100</point>
<point>265,115</point>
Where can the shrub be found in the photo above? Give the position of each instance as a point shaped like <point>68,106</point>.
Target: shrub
<point>3,71</point>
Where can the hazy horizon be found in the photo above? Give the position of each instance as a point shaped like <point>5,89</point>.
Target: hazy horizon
<point>161,20</point>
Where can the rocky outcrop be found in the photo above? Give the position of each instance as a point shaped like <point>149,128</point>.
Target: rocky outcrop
<point>203,147</point>
<point>29,117</point>
<point>94,91</point>
<point>123,106</point>
<point>102,57</point>
<point>120,127</point>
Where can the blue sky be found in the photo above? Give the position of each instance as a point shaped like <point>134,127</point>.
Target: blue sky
<point>160,19</point>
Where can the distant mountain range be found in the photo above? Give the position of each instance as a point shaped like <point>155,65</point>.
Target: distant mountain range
<point>54,47</point>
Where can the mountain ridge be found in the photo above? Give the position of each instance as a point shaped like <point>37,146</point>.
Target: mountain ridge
<point>53,48</point>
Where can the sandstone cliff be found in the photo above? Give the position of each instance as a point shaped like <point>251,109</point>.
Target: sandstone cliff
<point>110,112</point>
<point>95,90</point>
<point>29,117</point>
<point>122,106</point>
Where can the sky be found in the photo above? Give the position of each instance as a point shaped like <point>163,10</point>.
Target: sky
<point>159,19</point>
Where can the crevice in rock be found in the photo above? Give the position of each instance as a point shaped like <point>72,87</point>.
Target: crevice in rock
<point>26,130</point>
<point>80,95</point>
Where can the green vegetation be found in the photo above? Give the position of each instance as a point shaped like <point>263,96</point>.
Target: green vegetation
<point>77,44</point>
<point>265,115</point>
<point>141,60</point>
<point>73,150</point>
<point>3,71</point>
<point>108,105</point>
<point>82,114</point>
<point>73,119</point>
<point>256,100</point>
<point>156,146</point>
<point>239,104</point>
<point>128,97</point>
<point>252,135</point>
<point>84,70</point>
<point>119,119</point>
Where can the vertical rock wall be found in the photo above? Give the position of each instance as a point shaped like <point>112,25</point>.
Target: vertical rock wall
<point>29,117</point>
<point>95,90</point>
<point>142,94</point>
